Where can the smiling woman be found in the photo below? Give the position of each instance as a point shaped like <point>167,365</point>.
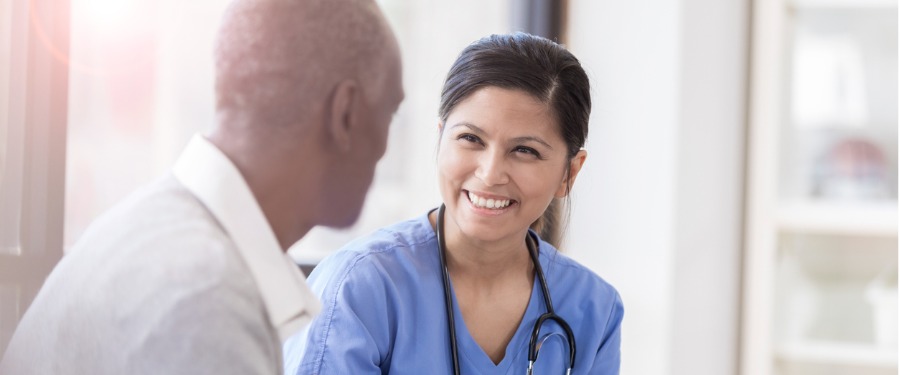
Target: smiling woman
<point>472,280</point>
<point>483,160</point>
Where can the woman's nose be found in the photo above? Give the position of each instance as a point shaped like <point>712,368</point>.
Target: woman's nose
<point>492,169</point>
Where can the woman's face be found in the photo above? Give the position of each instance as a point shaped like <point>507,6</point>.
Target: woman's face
<point>500,163</point>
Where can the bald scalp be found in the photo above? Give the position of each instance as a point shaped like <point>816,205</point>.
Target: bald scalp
<point>278,61</point>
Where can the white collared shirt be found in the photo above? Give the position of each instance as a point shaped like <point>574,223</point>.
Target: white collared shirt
<point>182,277</point>
<point>214,180</point>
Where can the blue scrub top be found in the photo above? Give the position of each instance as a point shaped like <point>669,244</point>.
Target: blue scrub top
<point>383,313</point>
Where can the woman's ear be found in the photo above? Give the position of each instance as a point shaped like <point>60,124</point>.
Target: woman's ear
<point>342,115</point>
<point>575,165</point>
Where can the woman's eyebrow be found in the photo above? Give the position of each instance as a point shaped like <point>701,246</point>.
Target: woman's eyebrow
<point>470,126</point>
<point>533,139</point>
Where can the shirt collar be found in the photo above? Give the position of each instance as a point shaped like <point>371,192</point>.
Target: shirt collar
<point>208,173</point>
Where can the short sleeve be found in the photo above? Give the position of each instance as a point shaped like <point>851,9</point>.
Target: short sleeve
<point>608,356</point>
<point>352,335</point>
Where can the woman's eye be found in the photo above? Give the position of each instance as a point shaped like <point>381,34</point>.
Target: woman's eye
<point>527,150</point>
<point>469,138</point>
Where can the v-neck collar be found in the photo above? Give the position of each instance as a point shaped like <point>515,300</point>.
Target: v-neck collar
<point>471,352</point>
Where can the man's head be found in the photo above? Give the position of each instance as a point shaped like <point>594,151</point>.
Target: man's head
<point>305,91</point>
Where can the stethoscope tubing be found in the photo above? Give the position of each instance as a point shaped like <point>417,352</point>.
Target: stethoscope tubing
<point>448,300</point>
<point>531,241</point>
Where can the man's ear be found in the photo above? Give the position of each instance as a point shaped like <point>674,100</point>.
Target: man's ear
<point>342,113</point>
<point>569,179</point>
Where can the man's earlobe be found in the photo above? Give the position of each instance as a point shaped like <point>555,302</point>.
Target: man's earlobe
<point>342,114</point>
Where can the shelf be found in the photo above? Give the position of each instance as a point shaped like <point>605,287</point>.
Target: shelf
<point>838,353</point>
<point>809,260</point>
<point>843,4</point>
<point>842,218</point>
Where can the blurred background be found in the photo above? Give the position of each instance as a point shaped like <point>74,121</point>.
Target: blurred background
<point>740,189</point>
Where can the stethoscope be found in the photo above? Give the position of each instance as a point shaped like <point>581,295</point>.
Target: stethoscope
<point>531,242</point>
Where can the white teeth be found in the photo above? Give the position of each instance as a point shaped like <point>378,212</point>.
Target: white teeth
<point>488,203</point>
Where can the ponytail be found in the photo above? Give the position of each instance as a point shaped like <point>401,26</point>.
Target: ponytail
<point>549,226</point>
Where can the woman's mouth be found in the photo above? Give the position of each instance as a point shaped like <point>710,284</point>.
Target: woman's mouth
<point>491,203</point>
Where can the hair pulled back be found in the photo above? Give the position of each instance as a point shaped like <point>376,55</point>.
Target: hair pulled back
<point>539,67</point>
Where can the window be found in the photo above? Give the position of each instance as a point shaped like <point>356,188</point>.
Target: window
<point>142,85</point>
<point>33,94</point>
<point>98,97</point>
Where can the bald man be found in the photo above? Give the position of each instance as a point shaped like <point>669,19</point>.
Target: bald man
<point>189,275</point>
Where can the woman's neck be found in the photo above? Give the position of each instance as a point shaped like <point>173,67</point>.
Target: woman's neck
<point>484,261</point>
<point>492,281</point>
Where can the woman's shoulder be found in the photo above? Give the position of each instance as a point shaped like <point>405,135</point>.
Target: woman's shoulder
<point>568,271</point>
<point>382,251</point>
<point>409,233</point>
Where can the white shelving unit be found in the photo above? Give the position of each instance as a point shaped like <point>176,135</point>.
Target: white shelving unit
<point>838,218</point>
<point>838,353</point>
<point>821,225</point>
<point>843,4</point>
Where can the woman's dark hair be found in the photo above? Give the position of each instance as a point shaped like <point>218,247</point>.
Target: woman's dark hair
<point>539,67</point>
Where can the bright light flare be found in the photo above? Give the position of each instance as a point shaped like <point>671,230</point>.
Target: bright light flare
<point>112,37</point>
<point>108,15</point>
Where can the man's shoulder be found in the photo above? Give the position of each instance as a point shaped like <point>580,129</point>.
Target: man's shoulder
<point>154,268</point>
<point>166,201</point>
<point>160,235</point>
<point>164,215</point>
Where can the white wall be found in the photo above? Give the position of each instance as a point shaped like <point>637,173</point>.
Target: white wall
<point>665,169</point>
<point>710,185</point>
<point>624,229</point>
